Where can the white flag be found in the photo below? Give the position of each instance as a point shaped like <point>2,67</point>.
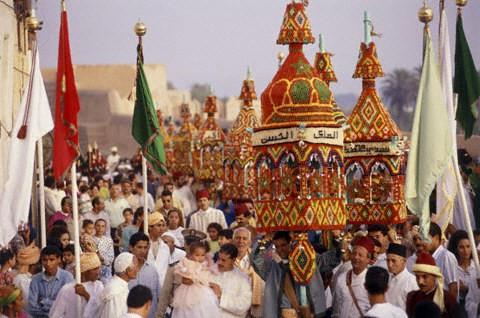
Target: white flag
<point>447,183</point>
<point>35,113</point>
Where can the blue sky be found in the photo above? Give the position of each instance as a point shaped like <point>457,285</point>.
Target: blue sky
<point>213,41</point>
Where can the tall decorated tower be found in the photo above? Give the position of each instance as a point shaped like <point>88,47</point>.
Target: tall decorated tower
<point>238,164</point>
<point>374,149</point>
<point>211,145</point>
<point>184,144</point>
<point>299,180</point>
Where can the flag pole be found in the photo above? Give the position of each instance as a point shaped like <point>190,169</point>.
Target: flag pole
<point>145,206</point>
<point>41,177</point>
<point>140,31</point>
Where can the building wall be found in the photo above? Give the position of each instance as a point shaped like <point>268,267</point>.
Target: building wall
<point>14,69</point>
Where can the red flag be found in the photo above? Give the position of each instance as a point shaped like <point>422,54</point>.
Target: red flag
<point>67,106</point>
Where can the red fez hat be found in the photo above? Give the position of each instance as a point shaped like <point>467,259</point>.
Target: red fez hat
<point>176,175</point>
<point>365,242</point>
<point>202,194</point>
<point>425,259</point>
<point>241,209</point>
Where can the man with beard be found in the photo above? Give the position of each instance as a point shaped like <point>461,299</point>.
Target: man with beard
<point>430,282</point>
<point>65,304</point>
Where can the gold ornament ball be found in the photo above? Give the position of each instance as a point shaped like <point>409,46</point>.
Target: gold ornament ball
<point>33,24</point>
<point>425,14</point>
<point>140,29</point>
<point>461,3</point>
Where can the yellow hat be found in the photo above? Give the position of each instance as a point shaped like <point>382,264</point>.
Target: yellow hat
<point>28,255</point>
<point>89,261</point>
<point>155,218</point>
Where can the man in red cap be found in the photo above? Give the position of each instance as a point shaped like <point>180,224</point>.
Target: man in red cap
<point>200,219</point>
<point>430,282</point>
<point>243,216</point>
<point>350,298</point>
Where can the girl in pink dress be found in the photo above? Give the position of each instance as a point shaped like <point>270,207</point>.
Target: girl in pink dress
<point>194,298</point>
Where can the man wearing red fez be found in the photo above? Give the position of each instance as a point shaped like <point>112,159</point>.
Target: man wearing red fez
<point>200,219</point>
<point>430,282</point>
<point>350,296</point>
<point>243,216</point>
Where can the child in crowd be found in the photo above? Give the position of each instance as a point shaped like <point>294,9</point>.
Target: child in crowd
<point>174,223</point>
<point>213,229</point>
<point>225,236</point>
<point>194,298</point>
<point>105,250</point>
<point>131,229</point>
<point>68,258</point>
<point>87,243</point>
<point>46,285</point>
<point>127,220</point>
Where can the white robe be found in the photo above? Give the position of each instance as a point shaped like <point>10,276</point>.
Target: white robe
<point>385,310</point>
<point>472,300</point>
<point>447,263</point>
<point>381,261</point>
<point>399,286</point>
<point>161,261</point>
<point>236,293</point>
<point>201,219</point>
<point>343,305</point>
<point>114,298</point>
<point>64,305</point>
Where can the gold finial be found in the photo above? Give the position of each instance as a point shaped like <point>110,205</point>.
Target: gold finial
<point>461,3</point>
<point>140,28</point>
<point>32,22</point>
<point>425,14</point>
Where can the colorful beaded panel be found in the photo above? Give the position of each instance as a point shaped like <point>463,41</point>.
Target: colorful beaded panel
<point>299,186</point>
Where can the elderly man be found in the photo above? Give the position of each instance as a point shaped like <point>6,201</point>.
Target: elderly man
<point>242,239</point>
<point>205,214</point>
<point>114,207</point>
<point>114,296</point>
<point>282,297</point>
<point>350,298</point>
<point>401,280</point>
<point>158,253</point>
<point>430,282</point>
<point>147,273</point>
<point>231,286</point>
<point>89,291</point>
<point>113,159</point>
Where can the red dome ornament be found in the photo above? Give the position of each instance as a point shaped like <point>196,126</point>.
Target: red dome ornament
<point>298,148</point>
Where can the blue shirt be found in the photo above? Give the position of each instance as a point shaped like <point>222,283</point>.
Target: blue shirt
<point>43,292</point>
<point>148,276</point>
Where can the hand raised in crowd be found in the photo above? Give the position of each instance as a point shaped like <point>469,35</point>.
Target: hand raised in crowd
<point>81,291</point>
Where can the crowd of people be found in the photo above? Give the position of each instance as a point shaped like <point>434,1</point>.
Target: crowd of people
<point>202,257</point>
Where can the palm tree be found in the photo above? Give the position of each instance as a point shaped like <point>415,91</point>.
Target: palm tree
<point>399,90</point>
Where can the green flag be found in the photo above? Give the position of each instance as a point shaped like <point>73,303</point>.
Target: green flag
<point>466,82</point>
<point>431,141</point>
<point>145,126</point>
